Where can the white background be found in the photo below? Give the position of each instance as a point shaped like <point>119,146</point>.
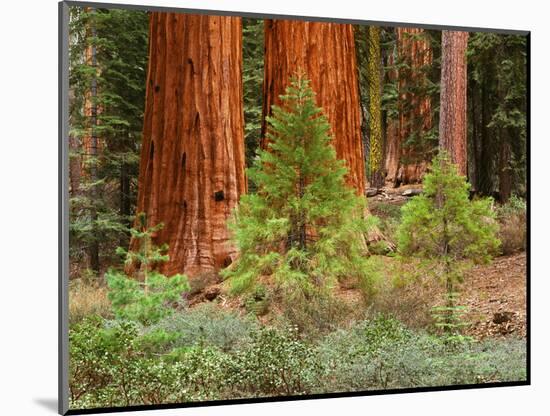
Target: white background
<point>28,205</point>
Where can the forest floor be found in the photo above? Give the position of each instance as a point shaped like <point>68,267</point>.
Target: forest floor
<point>494,294</point>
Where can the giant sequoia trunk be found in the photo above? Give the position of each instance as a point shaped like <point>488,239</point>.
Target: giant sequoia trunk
<point>192,159</point>
<point>326,53</point>
<point>452,118</point>
<point>406,164</point>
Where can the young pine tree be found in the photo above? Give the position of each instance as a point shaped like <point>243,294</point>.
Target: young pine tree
<point>145,299</point>
<point>443,223</point>
<point>444,226</point>
<point>303,226</point>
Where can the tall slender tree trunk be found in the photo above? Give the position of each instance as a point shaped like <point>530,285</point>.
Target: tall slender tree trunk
<point>75,168</point>
<point>452,122</point>
<point>125,207</point>
<point>473,152</point>
<point>505,176</point>
<point>192,158</point>
<point>485,158</point>
<point>374,65</point>
<point>392,144</point>
<point>326,53</point>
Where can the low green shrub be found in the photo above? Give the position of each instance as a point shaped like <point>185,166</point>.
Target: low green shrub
<point>207,324</point>
<point>275,363</point>
<point>110,365</point>
<point>202,373</point>
<point>383,354</point>
<point>348,356</point>
<point>102,362</point>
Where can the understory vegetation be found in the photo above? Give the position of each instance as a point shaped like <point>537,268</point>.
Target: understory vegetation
<point>303,239</point>
<point>114,363</point>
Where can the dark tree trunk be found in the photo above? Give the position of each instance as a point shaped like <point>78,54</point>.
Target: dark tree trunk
<point>192,159</point>
<point>75,168</point>
<point>125,206</point>
<point>505,177</point>
<point>486,147</point>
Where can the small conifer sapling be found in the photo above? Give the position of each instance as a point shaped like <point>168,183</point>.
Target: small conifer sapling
<point>443,225</point>
<point>147,298</point>
<point>304,226</point>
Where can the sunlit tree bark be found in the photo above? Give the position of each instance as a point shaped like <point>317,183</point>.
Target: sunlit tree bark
<point>192,158</point>
<point>452,119</point>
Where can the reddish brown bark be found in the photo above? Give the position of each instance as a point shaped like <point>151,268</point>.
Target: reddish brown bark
<point>192,159</point>
<point>452,118</point>
<point>407,164</point>
<point>326,52</point>
<point>392,144</point>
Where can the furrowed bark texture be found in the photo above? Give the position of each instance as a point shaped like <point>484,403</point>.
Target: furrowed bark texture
<point>452,122</point>
<point>407,164</point>
<point>192,159</point>
<point>326,53</point>
<point>392,147</point>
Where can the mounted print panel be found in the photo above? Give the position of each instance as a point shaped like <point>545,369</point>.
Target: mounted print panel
<point>263,208</point>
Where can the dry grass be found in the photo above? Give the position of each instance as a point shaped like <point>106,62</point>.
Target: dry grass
<point>87,299</point>
<point>408,292</point>
<point>512,218</point>
<point>513,233</point>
